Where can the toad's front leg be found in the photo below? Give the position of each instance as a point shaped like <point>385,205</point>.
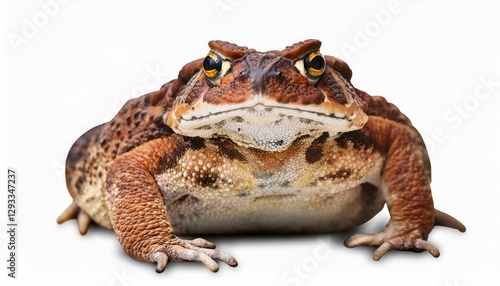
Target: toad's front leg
<point>406,176</point>
<point>139,217</point>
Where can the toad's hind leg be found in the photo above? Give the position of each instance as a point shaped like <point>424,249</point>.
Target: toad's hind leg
<point>74,211</point>
<point>84,179</point>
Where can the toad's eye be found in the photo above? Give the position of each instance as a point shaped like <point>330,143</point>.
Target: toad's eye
<point>212,65</point>
<point>215,67</point>
<point>312,66</point>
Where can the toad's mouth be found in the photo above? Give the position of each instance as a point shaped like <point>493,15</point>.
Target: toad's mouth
<point>269,126</point>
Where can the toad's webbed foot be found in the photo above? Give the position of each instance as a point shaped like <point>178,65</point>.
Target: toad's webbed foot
<point>198,250</point>
<point>388,240</point>
<point>395,237</point>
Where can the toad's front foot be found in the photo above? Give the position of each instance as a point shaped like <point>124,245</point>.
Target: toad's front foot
<point>199,250</point>
<point>390,240</point>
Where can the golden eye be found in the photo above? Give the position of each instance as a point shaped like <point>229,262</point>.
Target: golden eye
<point>314,64</point>
<point>212,65</point>
<point>215,67</point>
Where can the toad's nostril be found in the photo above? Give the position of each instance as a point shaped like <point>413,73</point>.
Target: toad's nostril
<point>245,72</point>
<point>274,73</point>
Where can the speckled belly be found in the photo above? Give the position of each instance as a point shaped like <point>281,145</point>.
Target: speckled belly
<point>223,189</point>
<point>299,213</point>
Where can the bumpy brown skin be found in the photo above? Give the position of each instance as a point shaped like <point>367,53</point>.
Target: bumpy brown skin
<point>120,174</point>
<point>138,215</point>
<point>407,175</point>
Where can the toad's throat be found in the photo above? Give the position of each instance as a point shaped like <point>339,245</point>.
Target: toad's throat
<point>261,126</point>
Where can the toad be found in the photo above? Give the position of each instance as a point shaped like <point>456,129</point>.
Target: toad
<point>253,142</point>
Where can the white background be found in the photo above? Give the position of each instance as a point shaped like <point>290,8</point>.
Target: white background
<point>68,67</point>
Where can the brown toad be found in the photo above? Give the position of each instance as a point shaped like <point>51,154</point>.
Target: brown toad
<point>250,142</point>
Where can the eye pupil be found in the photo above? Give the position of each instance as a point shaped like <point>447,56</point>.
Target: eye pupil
<point>212,65</point>
<point>317,63</point>
<point>314,64</point>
